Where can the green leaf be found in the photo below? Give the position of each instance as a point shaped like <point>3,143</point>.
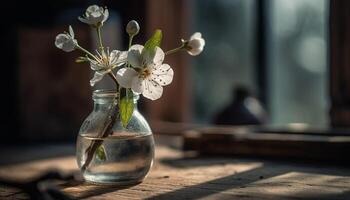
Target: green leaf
<point>152,43</point>
<point>101,153</point>
<point>126,108</point>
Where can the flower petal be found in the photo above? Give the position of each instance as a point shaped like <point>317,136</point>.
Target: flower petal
<point>195,46</point>
<point>137,85</point>
<point>105,15</point>
<point>96,15</point>
<point>60,39</point>
<point>94,65</point>
<point>117,58</point>
<point>92,8</point>
<point>65,42</point>
<point>71,32</point>
<point>195,52</point>
<point>158,56</point>
<point>151,89</point>
<point>162,74</point>
<point>69,45</point>
<point>82,19</point>
<point>113,56</point>
<point>97,77</point>
<point>125,77</point>
<point>196,35</point>
<point>137,47</point>
<point>134,55</point>
<point>196,43</point>
<point>123,55</point>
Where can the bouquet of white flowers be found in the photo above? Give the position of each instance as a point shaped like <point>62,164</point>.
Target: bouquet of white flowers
<point>139,69</point>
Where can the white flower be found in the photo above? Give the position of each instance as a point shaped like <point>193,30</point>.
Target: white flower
<point>95,15</point>
<point>151,73</point>
<point>195,44</point>
<point>105,63</point>
<point>66,41</point>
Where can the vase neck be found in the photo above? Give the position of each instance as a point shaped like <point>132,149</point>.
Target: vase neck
<point>103,99</point>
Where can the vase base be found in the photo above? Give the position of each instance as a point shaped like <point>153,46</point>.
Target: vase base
<point>115,182</point>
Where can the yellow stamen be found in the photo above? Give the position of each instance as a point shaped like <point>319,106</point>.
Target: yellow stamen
<point>145,73</point>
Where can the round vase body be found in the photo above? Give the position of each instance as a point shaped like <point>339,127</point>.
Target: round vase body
<point>107,152</point>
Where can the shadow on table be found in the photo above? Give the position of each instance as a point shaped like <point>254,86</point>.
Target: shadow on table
<point>45,186</point>
<point>82,189</point>
<point>249,178</point>
<point>38,187</point>
<point>10,155</point>
<point>237,180</point>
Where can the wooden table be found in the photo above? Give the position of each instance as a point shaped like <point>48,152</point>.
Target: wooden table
<point>176,175</point>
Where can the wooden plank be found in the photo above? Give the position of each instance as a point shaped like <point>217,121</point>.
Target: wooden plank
<point>339,31</point>
<point>182,176</point>
<point>171,128</point>
<point>252,142</point>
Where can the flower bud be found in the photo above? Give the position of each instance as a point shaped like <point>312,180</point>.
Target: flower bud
<point>132,28</point>
<point>195,44</point>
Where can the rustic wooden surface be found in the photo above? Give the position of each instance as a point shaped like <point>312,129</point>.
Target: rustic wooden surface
<point>176,175</point>
<point>302,144</point>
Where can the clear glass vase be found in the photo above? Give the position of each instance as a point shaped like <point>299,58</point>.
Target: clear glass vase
<point>108,153</point>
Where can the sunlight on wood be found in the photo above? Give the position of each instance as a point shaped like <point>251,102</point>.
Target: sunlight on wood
<point>304,185</point>
<point>178,175</point>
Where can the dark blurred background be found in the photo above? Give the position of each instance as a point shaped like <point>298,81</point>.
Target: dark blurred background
<point>275,53</point>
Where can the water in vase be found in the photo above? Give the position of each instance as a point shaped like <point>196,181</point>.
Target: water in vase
<point>124,158</point>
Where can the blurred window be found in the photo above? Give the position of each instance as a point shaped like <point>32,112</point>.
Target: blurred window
<point>228,27</point>
<point>296,58</point>
<point>298,61</point>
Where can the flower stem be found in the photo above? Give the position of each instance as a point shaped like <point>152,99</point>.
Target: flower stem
<point>130,40</point>
<point>98,29</point>
<point>131,37</point>
<point>86,51</point>
<point>175,50</point>
<point>114,78</point>
<point>107,130</point>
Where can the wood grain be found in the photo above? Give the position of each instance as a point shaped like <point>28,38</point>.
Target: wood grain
<point>302,144</point>
<point>176,175</point>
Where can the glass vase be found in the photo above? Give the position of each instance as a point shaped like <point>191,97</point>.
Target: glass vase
<point>108,153</point>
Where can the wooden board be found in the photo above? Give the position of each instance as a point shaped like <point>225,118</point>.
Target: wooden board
<point>176,175</point>
<point>304,144</point>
